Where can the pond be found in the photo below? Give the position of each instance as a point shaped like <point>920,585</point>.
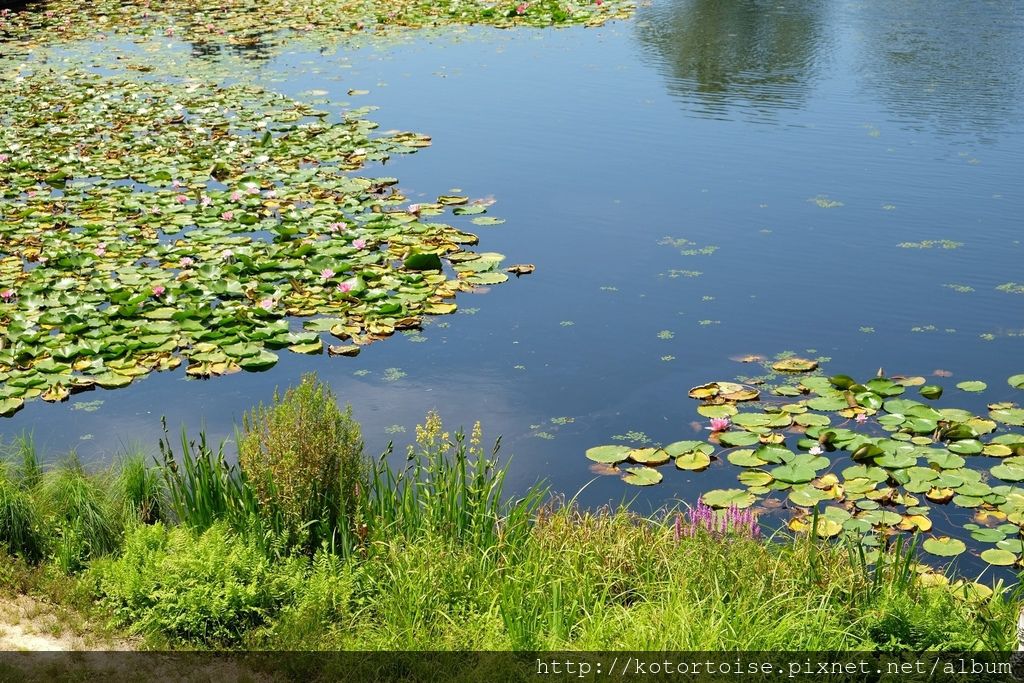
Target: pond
<point>698,183</point>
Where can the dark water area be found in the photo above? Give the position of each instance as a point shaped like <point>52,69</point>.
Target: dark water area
<point>792,148</point>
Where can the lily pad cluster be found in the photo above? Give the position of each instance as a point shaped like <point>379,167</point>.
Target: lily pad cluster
<point>144,223</point>
<point>849,458</point>
<point>244,22</point>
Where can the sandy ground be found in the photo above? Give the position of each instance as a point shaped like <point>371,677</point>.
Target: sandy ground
<point>28,624</point>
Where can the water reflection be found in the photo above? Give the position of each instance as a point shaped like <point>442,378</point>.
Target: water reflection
<point>748,54</point>
<point>956,66</point>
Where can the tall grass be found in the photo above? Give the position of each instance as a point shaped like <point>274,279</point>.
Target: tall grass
<point>203,488</point>
<point>19,525</point>
<point>79,514</point>
<point>141,490</point>
<point>450,489</point>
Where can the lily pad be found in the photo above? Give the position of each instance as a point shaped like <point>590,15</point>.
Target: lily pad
<point>642,476</point>
<point>609,455</point>
<point>999,557</point>
<point>794,365</point>
<point>944,546</point>
<point>972,386</point>
<point>723,498</point>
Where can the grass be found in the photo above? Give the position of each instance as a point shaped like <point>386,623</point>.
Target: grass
<point>433,554</point>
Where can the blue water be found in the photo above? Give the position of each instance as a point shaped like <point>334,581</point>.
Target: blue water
<point>723,124</point>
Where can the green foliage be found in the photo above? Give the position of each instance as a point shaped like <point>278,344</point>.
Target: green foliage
<point>451,490</point>
<point>140,490</point>
<point>208,589</point>
<point>19,529</point>
<point>78,514</point>
<point>203,488</point>
<point>303,458</point>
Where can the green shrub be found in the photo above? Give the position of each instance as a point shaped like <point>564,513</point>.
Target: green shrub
<point>303,457</point>
<point>208,589</point>
<point>78,515</point>
<point>19,529</point>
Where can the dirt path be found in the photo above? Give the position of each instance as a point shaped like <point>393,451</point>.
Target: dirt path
<point>30,624</point>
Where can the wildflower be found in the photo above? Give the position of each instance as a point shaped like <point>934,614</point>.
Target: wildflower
<point>235,196</point>
<point>861,418</point>
<point>158,290</point>
<point>815,450</point>
<point>228,215</point>
<point>359,243</point>
<point>336,227</point>
<point>326,274</point>
<point>346,286</point>
<point>266,304</point>
<point>101,249</point>
<point>181,199</point>
<point>719,424</point>
<point>186,261</point>
<point>7,295</point>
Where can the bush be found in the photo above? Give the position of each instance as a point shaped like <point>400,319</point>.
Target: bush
<point>303,457</point>
<point>208,589</point>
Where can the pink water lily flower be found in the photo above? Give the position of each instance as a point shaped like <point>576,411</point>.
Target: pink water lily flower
<point>228,215</point>
<point>235,196</point>
<point>158,290</point>
<point>181,199</point>
<point>186,261</point>
<point>719,424</point>
<point>227,254</point>
<point>205,201</point>
<point>346,286</point>
<point>414,209</point>
<point>327,274</point>
<point>861,418</point>
<point>521,8</point>
<point>815,450</point>
<point>169,32</point>
<point>253,189</point>
<point>336,227</point>
<point>101,249</point>
<point>176,184</point>
<point>4,158</point>
<point>7,295</point>
<point>270,194</point>
<point>266,304</point>
<point>359,243</point>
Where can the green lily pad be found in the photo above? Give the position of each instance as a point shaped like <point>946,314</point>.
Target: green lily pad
<point>745,458</point>
<point>642,476</point>
<point>737,438</point>
<point>794,365</point>
<point>695,461</point>
<point>1016,381</point>
<point>972,385</point>
<point>723,498</point>
<point>944,546</point>
<point>609,455</point>
<point>999,557</point>
<point>1010,416</point>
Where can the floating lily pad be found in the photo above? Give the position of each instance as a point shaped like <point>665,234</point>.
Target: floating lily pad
<point>649,456</point>
<point>738,438</point>
<point>972,385</point>
<point>642,476</point>
<point>999,557</point>
<point>1016,381</point>
<point>794,365</point>
<point>723,498</point>
<point>944,546</point>
<point>695,461</point>
<point>609,455</point>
